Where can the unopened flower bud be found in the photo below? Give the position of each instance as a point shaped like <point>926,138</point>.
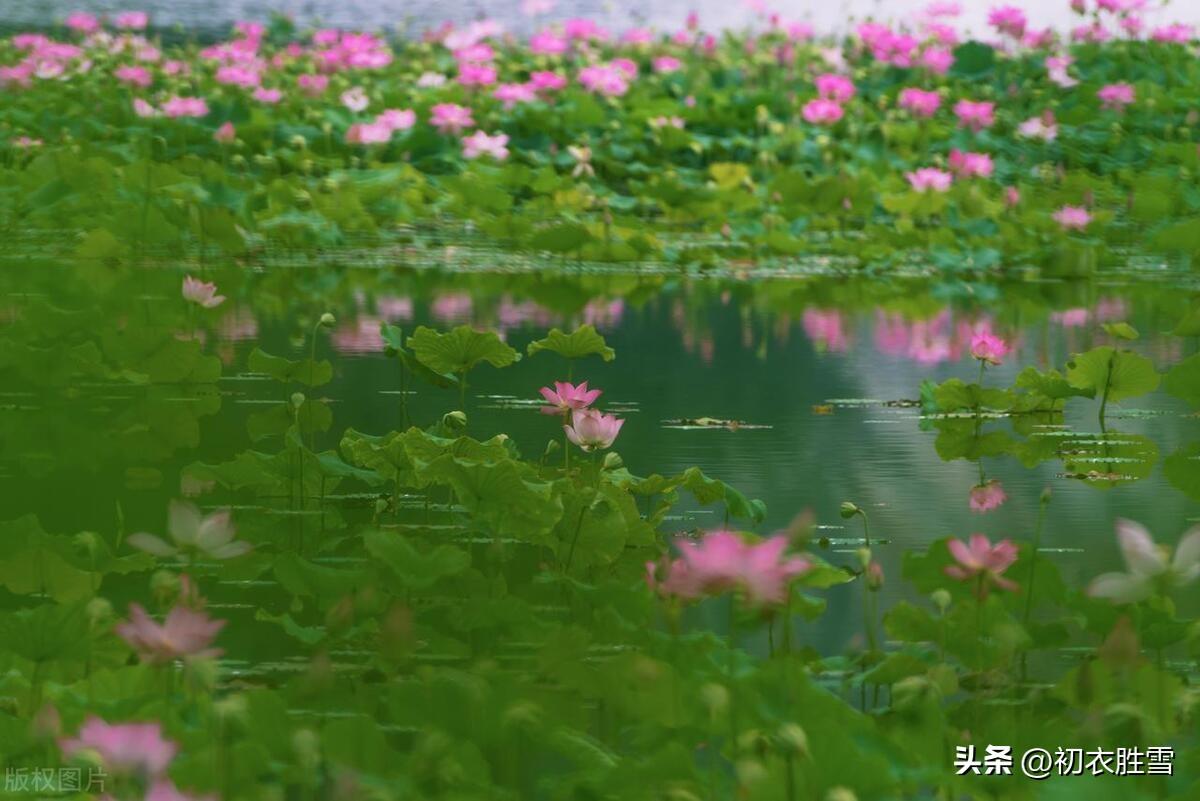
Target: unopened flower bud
<point>848,510</point>
<point>327,320</point>
<point>793,739</point>
<point>941,599</point>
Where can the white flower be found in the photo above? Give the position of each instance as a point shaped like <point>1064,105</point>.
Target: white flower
<point>1150,567</point>
<point>211,535</point>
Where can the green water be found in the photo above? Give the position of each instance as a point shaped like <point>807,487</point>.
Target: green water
<point>822,368</point>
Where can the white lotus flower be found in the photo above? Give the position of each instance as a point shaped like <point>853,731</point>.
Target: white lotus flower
<point>1150,567</point>
<point>210,535</point>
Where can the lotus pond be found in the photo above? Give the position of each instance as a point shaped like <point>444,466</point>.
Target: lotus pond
<point>601,415</point>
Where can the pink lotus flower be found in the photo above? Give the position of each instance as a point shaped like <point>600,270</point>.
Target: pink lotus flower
<point>722,561</point>
<point>546,81</point>
<point>604,79</point>
<point>1008,20</point>
<point>1056,71</point>
<point>483,144</point>
<point>1116,96</point>
<point>1012,196</point>
<point>591,430</point>
<point>133,75</point>
<point>451,118</point>
<point>988,496</point>
<point>143,109</point>
<point>185,634</point>
<point>211,536</point>
<point>565,397</point>
<point>983,562</point>
<point>312,85</point>
<point>355,99</point>
<point>368,133</point>
<point>131,20</point>
<point>919,102</point>
<point>1043,127</point>
<point>201,293</point>
<point>834,87</point>
<point>177,107</point>
<point>510,94</point>
<point>547,43</point>
<point>269,96</point>
<point>226,134</point>
<point>82,22</point>
<point>975,115</point>
<point>1150,568</point>
<point>472,74</point>
<point>1173,34</point>
<point>822,112</point>
<point>1072,218</point>
<point>968,165</point>
<point>937,60</point>
<point>929,179</point>
<point>666,64</point>
<point>988,348</point>
<point>397,119</point>
<point>124,748</point>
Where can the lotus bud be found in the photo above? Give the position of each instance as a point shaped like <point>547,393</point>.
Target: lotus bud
<point>47,723</point>
<point>793,739</point>
<point>941,599</point>
<point>840,794</point>
<point>1047,493</point>
<point>864,557</point>
<point>164,586</point>
<point>750,771</point>
<point>99,611</point>
<point>297,399</point>
<point>454,421</point>
<point>612,461</point>
<point>523,715</point>
<point>299,142</point>
<point>848,510</point>
<point>715,697</point>
<point>875,577</point>
<point>381,506</point>
<point>327,320</point>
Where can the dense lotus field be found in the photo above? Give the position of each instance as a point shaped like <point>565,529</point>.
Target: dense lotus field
<point>228,573</point>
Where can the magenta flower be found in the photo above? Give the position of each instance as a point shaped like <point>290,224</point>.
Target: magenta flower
<point>451,118</point>
<point>968,165</point>
<point>312,85</point>
<point>929,179</point>
<point>269,96</point>
<point>1072,218</point>
<point>988,348</point>
<point>981,561</point>
<point>1012,196</point>
<point>834,87</point>
<point>604,79</point>
<point>82,22</point>
<point>1116,96</point>
<point>547,81</point>
<point>721,562</point>
<point>510,94</point>
<point>125,748</point>
<point>368,133</point>
<point>131,20</point>
<point>937,60</point>
<point>226,134</point>
<point>397,119</point>
<point>1008,20</point>
<point>483,144</point>
<point>202,293</point>
<point>184,634</point>
<point>666,64</point>
<point>178,107</point>
<point>566,398</point>
<point>821,111</point>
<point>919,102</point>
<point>133,75</point>
<point>1173,34</point>
<point>591,430</point>
<point>975,115</point>
<point>988,496</point>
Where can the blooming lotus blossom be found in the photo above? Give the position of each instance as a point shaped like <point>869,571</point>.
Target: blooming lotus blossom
<point>312,85</point>
<point>666,64</point>
<point>470,74</point>
<point>484,144</point>
<point>1012,196</point>
<point>987,496</point>
<point>396,119</point>
<point>834,87</point>
<point>968,165</point>
<point>1173,34</point>
<point>919,102</point>
<point>583,161</point>
<point>605,79</point>
<point>178,107</point>
<point>269,96</point>
<point>431,80</point>
<point>143,109</point>
<point>722,562</point>
<point>988,348</point>
<point>131,20</point>
<point>133,75</point>
<point>184,634</point>
<point>1043,127</point>
<point>591,430</point>
<point>1008,20</point>
<point>451,118</point>
<point>975,115</point>
<point>510,94</point>
<point>211,535</point>
<point>123,748</point>
<point>547,81</point>
<point>368,133</point>
<point>937,60</point>
<point>566,397</point>
<point>820,111</point>
<point>1116,96</point>
<point>82,22</point>
<point>201,293</point>
<point>979,560</point>
<point>1072,218</point>
<point>929,179</point>
<point>1150,569</point>
<point>226,134</point>
<point>355,99</point>
<point>547,43</point>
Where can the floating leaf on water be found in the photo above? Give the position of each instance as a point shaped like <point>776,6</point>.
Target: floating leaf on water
<point>692,423</point>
